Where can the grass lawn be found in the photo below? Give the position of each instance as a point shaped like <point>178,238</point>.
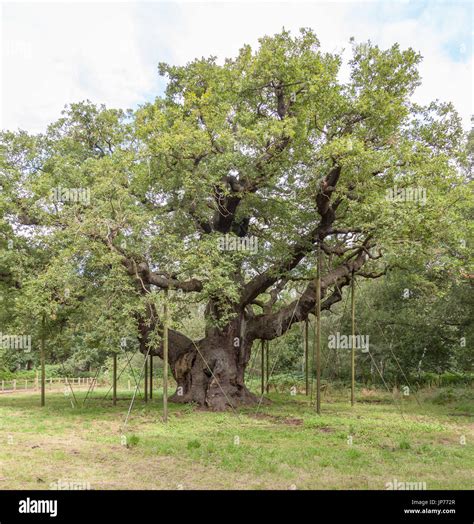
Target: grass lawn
<point>283,445</point>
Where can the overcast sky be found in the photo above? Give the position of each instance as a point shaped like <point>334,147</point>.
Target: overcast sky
<point>60,52</point>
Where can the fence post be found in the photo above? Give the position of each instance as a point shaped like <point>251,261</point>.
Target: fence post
<point>353,338</point>
<point>145,382</point>
<point>268,367</point>
<point>114,379</point>
<point>14,385</point>
<point>43,361</point>
<point>306,356</point>
<point>151,377</point>
<point>165,359</point>
<point>318,330</point>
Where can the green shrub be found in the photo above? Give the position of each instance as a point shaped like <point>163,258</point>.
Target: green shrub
<point>450,395</point>
<point>133,440</point>
<point>446,379</point>
<point>193,444</point>
<point>404,444</point>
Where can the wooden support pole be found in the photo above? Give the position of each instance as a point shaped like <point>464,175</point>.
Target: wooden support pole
<point>145,385</point>
<point>353,341</point>
<point>268,368</point>
<point>165,359</point>
<point>318,331</point>
<point>43,358</point>
<point>306,356</point>
<point>114,379</point>
<point>151,377</point>
<point>262,367</point>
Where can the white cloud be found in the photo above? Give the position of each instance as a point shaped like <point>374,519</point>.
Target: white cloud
<point>54,54</point>
<point>444,77</point>
<point>109,52</point>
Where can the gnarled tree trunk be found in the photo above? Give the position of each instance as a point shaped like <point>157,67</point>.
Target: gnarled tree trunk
<point>212,373</point>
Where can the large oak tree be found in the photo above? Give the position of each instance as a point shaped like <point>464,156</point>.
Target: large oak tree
<point>285,145</point>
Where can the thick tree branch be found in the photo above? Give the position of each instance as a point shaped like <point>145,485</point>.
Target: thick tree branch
<point>270,326</point>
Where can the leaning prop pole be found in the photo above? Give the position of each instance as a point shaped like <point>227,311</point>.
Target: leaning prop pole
<point>262,369</point>
<point>353,341</point>
<point>43,358</point>
<point>318,331</point>
<point>165,359</point>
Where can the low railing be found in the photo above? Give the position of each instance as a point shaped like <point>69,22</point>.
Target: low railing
<point>9,386</point>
